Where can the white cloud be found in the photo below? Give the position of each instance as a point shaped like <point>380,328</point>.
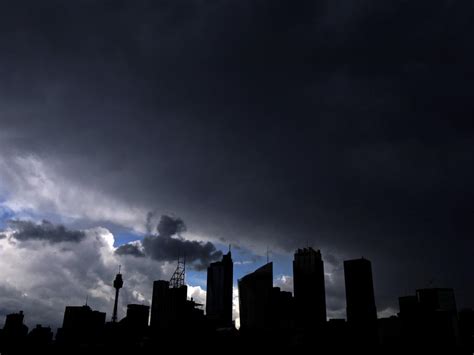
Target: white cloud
<point>235,307</point>
<point>41,277</point>
<point>198,294</point>
<point>29,184</point>
<point>387,312</point>
<point>285,282</point>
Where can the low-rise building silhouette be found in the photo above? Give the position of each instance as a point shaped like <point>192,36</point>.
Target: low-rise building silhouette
<point>40,336</point>
<point>81,325</point>
<point>137,317</point>
<point>430,319</point>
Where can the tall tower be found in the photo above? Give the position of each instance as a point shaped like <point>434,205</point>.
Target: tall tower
<point>309,288</point>
<point>219,291</point>
<point>118,283</point>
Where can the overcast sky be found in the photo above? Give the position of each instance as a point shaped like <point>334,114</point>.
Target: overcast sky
<point>341,124</point>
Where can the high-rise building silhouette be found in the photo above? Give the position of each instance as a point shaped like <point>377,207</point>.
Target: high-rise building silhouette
<point>170,308</point>
<point>118,284</point>
<point>255,291</point>
<point>309,288</point>
<point>159,304</point>
<point>219,291</point>
<point>360,301</point>
<point>168,305</point>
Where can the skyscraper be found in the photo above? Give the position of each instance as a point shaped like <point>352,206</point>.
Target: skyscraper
<point>360,297</point>
<point>159,304</point>
<point>309,288</point>
<point>169,300</point>
<point>219,291</point>
<point>255,291</point>
<point>167,305</point>
<point>360,300</point>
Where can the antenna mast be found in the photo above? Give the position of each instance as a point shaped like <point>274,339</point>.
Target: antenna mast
<point>178,278</point>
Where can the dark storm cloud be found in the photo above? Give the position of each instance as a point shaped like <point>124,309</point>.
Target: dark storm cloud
<point>130,249</point>
<point>197,254</point>
<point>169,226</point>
<point>47,231</point>
<point>344,123</point>
<point>168,245</point>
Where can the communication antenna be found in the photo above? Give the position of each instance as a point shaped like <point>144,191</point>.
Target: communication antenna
<point>178,277</point>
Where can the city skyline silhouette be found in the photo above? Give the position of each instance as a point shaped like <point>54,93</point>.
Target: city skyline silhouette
<point>428,320</point>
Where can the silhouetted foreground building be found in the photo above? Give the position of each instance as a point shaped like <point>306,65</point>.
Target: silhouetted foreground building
<point>309,289</point>
<point>430,319</point>
<point>220,276</point>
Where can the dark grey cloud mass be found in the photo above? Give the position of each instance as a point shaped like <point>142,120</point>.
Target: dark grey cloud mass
<point>168,245</point>
<point>345,124</point>
<point>46,231</point>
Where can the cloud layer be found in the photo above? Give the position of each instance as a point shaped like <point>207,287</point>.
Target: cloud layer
<point>168,245</point>
<point>343,124</point>
<point>45,267</point>
<point>27,230</point>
